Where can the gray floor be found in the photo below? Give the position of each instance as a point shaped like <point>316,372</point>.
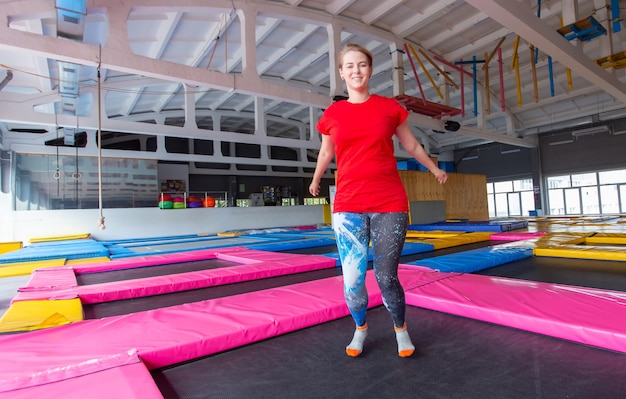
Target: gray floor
<point>8,290</point>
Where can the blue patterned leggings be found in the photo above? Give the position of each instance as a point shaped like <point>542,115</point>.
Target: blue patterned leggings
<point>387,232</point>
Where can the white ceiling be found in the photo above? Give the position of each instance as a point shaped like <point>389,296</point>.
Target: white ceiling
<point>170,65</point>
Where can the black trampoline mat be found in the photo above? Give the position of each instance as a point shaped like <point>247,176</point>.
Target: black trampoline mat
<point>151,271</point>
<point>456,357</point>
<point>602,274</point>
<point>116,308</point>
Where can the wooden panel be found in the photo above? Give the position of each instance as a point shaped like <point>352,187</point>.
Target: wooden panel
<point>465,194</point>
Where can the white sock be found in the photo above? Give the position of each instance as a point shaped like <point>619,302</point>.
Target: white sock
<point>355,347</point>
<point>405,346</point>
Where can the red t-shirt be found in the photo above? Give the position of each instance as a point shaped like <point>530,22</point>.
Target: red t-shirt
<point>367,173</point>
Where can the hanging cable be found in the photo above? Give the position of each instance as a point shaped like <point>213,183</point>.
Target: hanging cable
<point>100,222</point>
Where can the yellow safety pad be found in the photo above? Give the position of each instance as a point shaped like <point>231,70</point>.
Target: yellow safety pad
<point>607,238</point>
<point>206,234</point>
<point>461,239</point>
<point>87,260</point>
<point>10,246</point>
<point>60,238</point>
<point>40,314</point>
<point>25,268</point>
<point>431,234</point>
<point>561,238</point>
<point>423,240</point>
<point>528,243</point>
<point>231,234</point>
<point>583,252</point>
<point>328,215</point>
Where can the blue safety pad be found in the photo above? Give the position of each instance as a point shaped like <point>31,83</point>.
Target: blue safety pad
<point>69,249</point>
<point>489,226</point>
<point>474,260</point>
<point>262,241</point>
<point>128,241</point>
<point>165,245</point>
<point>287,245</point>
<point>409,248</point>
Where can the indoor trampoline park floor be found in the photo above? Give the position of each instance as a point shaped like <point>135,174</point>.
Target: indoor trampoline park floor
<point>504,309</point>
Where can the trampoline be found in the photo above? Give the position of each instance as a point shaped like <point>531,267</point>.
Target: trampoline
<point>601,274</point>
<point>457,357</point>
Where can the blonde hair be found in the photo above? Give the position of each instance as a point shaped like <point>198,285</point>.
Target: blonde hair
<point>354,47</point>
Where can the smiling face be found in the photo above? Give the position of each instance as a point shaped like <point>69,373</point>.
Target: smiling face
<point>356,70</point>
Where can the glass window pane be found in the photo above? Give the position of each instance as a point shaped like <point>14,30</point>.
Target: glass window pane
<point>71,182</point>
<point>528,202</point>
<point>515,208</point>
<point>612,176</point>
<point>489,188</point>
<point>609,199</point>
<point>556,202</point>
<point>572,201</point>
<point>584,179</point>
<point>591,204</point>
<point>491,206</point>
<point>558,182</point>
<point>502,209</point>
<point>503,186</point>
<point>622,195</point>
<point>523,184</point>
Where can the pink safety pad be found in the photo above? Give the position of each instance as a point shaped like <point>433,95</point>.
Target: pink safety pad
<point>154,260</point>
<point>254,265</point>
<point>515,235</point>
<point>176,334</point>
<point>589,316</point>
<point>131,380</point>
<point>54,278</point>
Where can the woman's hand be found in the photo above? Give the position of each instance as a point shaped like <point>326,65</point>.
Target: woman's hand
<point>314,189</point>
<point>441,175</point>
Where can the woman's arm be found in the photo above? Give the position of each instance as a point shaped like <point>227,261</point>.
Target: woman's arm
<point>413,147</point>
<point>326,154</point>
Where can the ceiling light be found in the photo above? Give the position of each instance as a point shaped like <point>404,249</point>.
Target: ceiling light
<point>561,142</point>
<point>514,150</point>
<point>590,131</point>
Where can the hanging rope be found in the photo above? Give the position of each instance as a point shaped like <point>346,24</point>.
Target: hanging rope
<point>77,175</point>
<point>100,223</point>
<point>57,174</point>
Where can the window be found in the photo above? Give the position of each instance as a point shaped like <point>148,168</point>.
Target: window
<point>46,182</point>
<point>315,201</point>
<point>559,182</point>
<point>587,193</point>
<point>572,199</point>
<point>590,200</point>
<point>610,199</point>
<point>585,179</point>
<point>612,176</point>
<point>510,198</point>
<point>557,202</point>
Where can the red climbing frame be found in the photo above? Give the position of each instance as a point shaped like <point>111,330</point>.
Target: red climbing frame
<point>421,105</point>
<point>425,107</point>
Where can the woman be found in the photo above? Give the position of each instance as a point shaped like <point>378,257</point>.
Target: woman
<point>370,202</point>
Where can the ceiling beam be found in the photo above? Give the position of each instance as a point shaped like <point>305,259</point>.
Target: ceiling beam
<point>521,20</point>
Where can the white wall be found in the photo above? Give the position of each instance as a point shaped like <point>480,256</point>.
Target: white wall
<point>155,222</point>
<point>5,217</point>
